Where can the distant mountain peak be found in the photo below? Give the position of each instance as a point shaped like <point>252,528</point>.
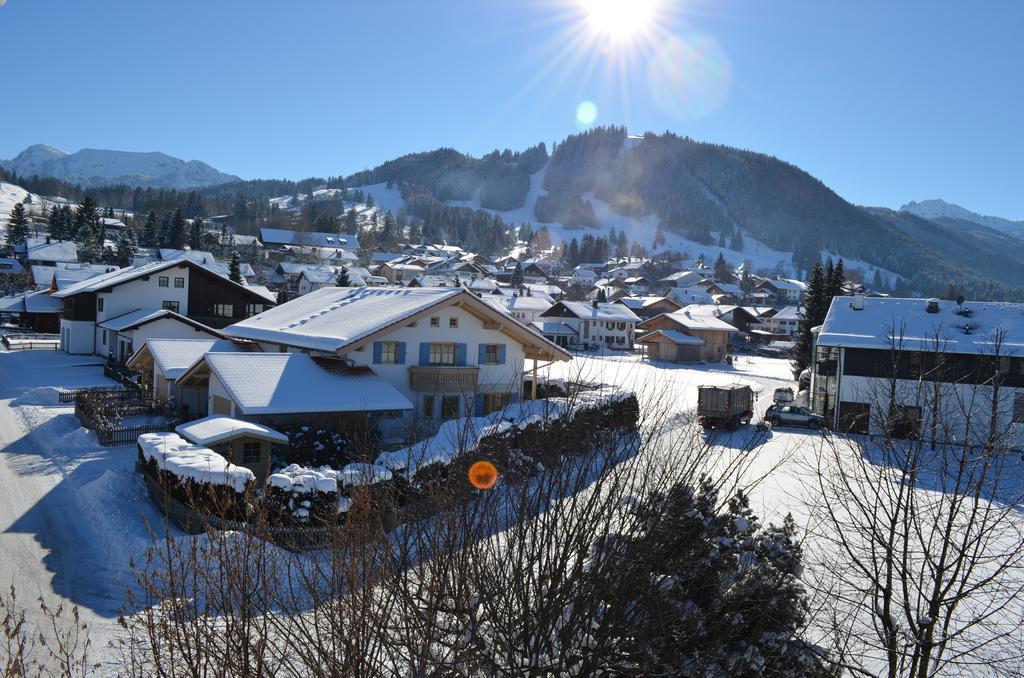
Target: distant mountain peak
<point>99,167</point>
<point>936,208</point>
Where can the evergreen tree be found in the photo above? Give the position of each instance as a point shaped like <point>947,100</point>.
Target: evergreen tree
<point>87,219</point>
<point>370,202</point>
<point>838,280</point>
<point>178,232</point>
<point>621,246</point>
<point>815,309</point>
<point>195,233</point>
<point>737,241</point>
<point>127,245</point>
<point>517,276</point>
<point>721,268</point>
<point>235,268</point>
<point>351,221</point>
<point>659,237</point>
<point>59,223</point>
<point>602,297</point>
<point>150,230</point>
<point>17,226</point>
<point>343,280</point>
<point>572,254</point>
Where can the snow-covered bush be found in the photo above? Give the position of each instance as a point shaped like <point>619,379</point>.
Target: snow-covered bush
<point>316,496</point>
<point>314,447</point>
<point>197,477</point>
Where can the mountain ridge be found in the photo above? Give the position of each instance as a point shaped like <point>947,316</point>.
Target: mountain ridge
<point>936,208</point>
<point>92,167</point>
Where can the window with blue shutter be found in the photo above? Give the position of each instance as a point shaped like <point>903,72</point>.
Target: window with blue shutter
<point>400,353</point>
<point>460,359</point>
<point>501,354</point>
<point>481,355</point>
<point>424,353</point>
<point>376,352</point>
<point>478,405</point>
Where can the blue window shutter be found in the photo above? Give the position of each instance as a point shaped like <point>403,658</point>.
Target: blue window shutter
<point>400,353</point>
<point>481,354</point>
<point>376,353</point>
<point>501,354</point>
<point>424,353</point>
<point>460,358</point>
<point>478,405</point>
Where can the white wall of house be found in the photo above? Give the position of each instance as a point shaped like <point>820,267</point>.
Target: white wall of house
<point>605,332</point>
<point>955,399</point>
<point>77,336</point>
<point>145,294</point>
<point>504,378</point>
<point>217,390</point>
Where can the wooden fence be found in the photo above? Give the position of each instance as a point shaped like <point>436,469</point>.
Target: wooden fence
<point>31,342</point>
<point>128,435</point>
<point>69,395</point>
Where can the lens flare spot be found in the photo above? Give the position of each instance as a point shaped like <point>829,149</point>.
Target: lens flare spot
<point>586,114</point>
<point>483,475</point>
<point>690,77</point>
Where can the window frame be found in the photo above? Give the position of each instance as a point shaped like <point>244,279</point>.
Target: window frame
<point>247,450</point>
<point>439,350</point>
<point>179,282</point>
<point>218,310</point>
<point>435,321</point>
<point>497,354</point>
<point>163,281</point>
<point>99,304</point>
<point>171,305</point>
<point>450,407</point>
<point>453,323</point>
<point>389,353</point>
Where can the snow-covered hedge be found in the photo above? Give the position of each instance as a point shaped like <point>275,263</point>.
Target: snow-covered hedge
<point>502,434</point>
<point>198,477</point>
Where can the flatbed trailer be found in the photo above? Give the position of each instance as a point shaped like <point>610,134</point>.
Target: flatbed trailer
<point>725,407</point>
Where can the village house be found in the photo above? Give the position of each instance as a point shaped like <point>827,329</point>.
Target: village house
<point>446,351</point>
<point>684,336</point>
<point>595,323</point>
<point>875,356</point>
<point>185,297</point>
<point>524,307</point>
<point>783,323</point>
<point>782,290</point>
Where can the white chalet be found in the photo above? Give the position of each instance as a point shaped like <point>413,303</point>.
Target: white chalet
<point>186,298</point>
<point>595,323</point>
<point>874,356</point>
<point>445,350</point>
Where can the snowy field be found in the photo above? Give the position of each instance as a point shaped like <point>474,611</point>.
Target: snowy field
<point>74,513</point>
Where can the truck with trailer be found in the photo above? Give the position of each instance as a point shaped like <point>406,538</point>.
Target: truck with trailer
<point>724,407</point>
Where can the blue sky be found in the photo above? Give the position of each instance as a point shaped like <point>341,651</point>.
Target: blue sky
<point>884,102</point>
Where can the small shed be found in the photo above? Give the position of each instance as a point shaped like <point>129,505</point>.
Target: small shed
<point>243,443</point>
<point>672,346</point>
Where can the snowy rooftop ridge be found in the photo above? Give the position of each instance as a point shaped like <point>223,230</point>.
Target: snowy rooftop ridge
<point>218,428</point>
<point>881,321</point>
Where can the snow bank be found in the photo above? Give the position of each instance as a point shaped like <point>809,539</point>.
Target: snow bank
<point>177,456</point>
<point>301,479</point>
<point>44,395</point>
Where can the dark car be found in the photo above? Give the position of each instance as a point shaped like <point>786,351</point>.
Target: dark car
<point>793,415</point>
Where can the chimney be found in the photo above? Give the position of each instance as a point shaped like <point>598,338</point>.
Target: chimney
<point>931,305</point>
<point>858,302</point>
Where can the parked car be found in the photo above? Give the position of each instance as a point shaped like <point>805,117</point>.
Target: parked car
<point>793,415</point>
<point>783,395</point>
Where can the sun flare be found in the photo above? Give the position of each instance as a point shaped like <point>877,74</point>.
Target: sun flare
<point>620,19</point>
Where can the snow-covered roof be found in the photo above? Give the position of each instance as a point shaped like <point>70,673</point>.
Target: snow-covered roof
<point>295,383</point>
<point>280,236</point>
<point>526,303</point>
<point>61,250</point>
<point>9,265</point>
<point>331,317</point>
<point>139,316</point>
<point>785,284</point>
<point>883,320</point>
<point>174,356</point>
<point>789,313</point>
<point>599,311</point>
<point>554,327</point>
<point>675,336</point>
<point>31,302</point>
<point>699,321</point>
<point>639,303</point>
<point>116,277</point>
<point>177,456</point>
<point>218,428</point>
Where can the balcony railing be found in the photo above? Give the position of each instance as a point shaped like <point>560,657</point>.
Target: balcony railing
<point>438,379</point>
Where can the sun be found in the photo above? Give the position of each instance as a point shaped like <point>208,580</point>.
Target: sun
<point>620,19</point>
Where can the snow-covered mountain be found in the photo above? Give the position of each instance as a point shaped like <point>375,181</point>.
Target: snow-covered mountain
<point>940,209</point>
<point>97,167</point>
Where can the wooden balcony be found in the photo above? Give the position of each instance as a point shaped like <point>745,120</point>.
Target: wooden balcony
<point>438,379</point>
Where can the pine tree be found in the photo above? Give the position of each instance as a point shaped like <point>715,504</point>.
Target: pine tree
<point>235,268</point>
<point>572,254</point>
<point>87,219</point>
<point>343,280</point>
<point>814,314</point>
<point>59,223</point>
<point>17,226</point>
<point>737,241</point>
<point>177,232</point>
<point>517,276</point>
<point>150,230</point>
<point>659,237</point>
<point>351,221</point>
<point>127,245</point>
<point>838,281</point>
<point>621,246</point>
<point>602,297</point>
<point>721,268</point>
<point>195,234</point>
